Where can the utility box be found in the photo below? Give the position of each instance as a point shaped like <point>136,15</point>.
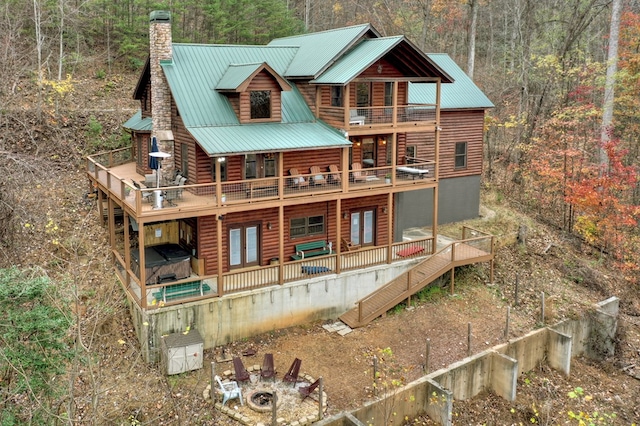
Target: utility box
<point>182,352</point>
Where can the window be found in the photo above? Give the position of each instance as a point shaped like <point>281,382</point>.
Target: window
<point>260,104</point>
<point>336,96</point>
<point>304,226</point>
<point>362,228</point>
<point>260,165</point>
<point>412,153</point>
<point>369,152</point>
<point>388,93</point>
<point>184,159</point>
<point>243,246</point>
<point>461,155</point>
<point>223,169</point>
<point>363,91</point>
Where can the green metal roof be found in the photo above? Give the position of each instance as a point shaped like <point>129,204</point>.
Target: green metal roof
<point>208,115</point>
<point>357,60</point>
<point>266,137</point>
<point>236,75</point>
<point>138,123</point>
<point>198,68</point>
<point>319,50</point>
<point>461,94</point>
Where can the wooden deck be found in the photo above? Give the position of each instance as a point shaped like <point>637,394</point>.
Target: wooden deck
<point>116,179</point>
<point>458,253</point>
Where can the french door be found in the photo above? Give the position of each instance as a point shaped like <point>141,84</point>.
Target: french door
<point>363,227</point>
<point>244,245</point>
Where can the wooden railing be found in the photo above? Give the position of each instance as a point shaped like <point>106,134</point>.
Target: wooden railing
<point>379,115</point>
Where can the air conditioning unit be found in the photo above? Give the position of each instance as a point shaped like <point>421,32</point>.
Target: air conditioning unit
<point>182,352</point>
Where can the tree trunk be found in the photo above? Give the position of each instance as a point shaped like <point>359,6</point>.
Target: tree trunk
<point>612,62</point>
<point>471,45</point>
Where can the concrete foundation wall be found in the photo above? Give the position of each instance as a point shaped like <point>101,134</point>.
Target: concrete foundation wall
<point>496,369</point>
<point>237,316</point>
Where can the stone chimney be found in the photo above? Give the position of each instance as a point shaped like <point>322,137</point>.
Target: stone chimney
<point>161,51</point>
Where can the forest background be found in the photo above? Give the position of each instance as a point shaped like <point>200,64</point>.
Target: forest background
<point>68,68</point>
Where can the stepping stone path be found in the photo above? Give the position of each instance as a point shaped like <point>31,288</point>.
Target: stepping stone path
<point>338,327</point>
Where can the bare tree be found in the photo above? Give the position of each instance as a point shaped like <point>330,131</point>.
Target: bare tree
<point>471,45</point>
<point>612,61</point>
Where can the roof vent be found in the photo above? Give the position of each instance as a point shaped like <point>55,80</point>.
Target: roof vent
<point>160,16</point>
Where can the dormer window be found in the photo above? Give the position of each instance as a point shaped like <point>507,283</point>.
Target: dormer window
<point>260,104</point>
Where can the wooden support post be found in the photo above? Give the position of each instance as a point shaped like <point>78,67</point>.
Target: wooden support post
<point>274,409</point>
<point>320,401</point>
<point>506,328</point>
<point>426,357</point>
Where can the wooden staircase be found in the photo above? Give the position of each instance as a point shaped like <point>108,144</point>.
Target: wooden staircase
<point>459,253</point>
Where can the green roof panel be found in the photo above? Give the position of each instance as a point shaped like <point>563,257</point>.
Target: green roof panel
<point>461,94</point>
<point>357,60</point>
<point>139,124</point>
<point>236,75</point>
<point>319,50</point>
<point>267,137</point>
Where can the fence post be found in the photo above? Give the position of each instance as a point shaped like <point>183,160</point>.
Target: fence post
<point>274,409</point>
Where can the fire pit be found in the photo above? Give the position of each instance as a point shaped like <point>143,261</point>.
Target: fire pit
<point>261,400</point>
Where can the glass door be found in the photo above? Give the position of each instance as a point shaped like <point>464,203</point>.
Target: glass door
<point>363,227</point>
<point>244,245</point>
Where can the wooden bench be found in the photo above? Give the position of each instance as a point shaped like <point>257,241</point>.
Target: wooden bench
<point>171,292</point>
<point>262,188</point>
<point>312,249</point>
<point>410,251</point>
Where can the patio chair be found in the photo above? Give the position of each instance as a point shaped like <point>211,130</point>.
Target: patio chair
<point>150,180</point>
<point>298,180</point>
<point>334,177</point>
<point>317,178</point>
<point>242,375</point>
<point>357,174</point>
<point>305,391</point>
<point>146,195</point>
<point>346,245</point>
<point>268,371</point>
<point>292,374</point>
<point>230,390</point>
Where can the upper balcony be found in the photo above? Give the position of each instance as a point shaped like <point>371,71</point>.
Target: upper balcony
<point>385,117</point>
<point>115,172</point>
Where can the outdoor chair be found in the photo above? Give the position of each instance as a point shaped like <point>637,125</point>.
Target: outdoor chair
<point>230,390</point>
<point>150,180</point>
<point>317,178</point>
<point>146,195</point>
<point>242,375</point>
<point>292,374</point>
<point>298,181</point>
<point>357,173</point>
<point>305,391</point>
<point>334,177</point>
<point>268,371</point>
<point>346,245</point>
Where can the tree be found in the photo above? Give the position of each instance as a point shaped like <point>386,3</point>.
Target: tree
<point>471,40</point>
<point>33,344</point>
<point>612,62</point>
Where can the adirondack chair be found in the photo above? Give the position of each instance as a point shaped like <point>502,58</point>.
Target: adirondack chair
<point>317,178</point>
<point>335,174</point>
<point>268,371</point>
<point>292,374</point>
<point>357,174</point>
<point>242,375</point>
<point>305,391</point>
<point>297,180</point>
<point>230,390</point>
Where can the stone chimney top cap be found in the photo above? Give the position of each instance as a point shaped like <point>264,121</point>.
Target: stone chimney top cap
<point>160,16</point>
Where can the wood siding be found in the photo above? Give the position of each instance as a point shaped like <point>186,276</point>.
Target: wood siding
<point>302,160</point>
<point>457,126</point>
<point>262,81</point>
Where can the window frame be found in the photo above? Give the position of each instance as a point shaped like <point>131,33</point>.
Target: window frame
<point>256,110</point>
<point>337,96</point>
<point>460,157</point>
<point>388,93</point>
<point>184,160</point>
<point>306,225</point>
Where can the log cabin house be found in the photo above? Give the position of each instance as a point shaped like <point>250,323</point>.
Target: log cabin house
<point>289,174</point>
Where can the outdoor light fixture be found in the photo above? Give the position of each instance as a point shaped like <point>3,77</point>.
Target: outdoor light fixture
<point>221,159</point>
<point>221,217</point>
<point>345,215</point>
<point>269,226</point>
<point>384,210</point>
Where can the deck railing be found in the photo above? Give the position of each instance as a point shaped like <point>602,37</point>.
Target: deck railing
<point>380,115</point>
<point>118,180</point>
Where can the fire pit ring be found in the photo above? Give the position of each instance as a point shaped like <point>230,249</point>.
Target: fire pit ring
<point>261,400</point>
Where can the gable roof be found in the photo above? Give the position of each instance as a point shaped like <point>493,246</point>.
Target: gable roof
<point>238,76</point>
<point>409,60</point>
<point>138,123</point>
<point>462,94</point>
<point>317,51</point>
